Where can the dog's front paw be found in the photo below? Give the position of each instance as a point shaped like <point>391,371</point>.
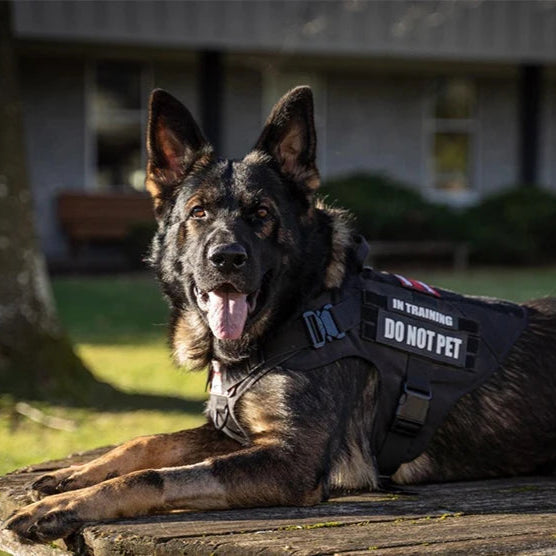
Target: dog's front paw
<point>46,520</point>
<point>46,485</point>
<point>63,480</point>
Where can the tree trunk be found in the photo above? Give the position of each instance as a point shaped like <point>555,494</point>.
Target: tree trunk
<point>36,359</point>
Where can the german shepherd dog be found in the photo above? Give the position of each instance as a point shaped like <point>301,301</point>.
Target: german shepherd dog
<point>241,245</point>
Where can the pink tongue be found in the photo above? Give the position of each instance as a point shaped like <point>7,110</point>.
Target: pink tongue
<point>227,313</point>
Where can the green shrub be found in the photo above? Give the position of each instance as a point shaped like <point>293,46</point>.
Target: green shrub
<point>388,210</point>
<point>516,226</point>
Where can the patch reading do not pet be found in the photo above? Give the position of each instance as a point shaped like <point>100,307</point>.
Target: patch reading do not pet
<point>422,338</point>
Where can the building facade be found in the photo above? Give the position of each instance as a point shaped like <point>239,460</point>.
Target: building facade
<point>455,98</point>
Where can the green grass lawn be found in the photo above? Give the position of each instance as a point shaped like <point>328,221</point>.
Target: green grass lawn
<point>118,326</point>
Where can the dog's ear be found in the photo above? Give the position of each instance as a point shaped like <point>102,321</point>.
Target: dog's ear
<point>289,137</point>
<point>175,144</point>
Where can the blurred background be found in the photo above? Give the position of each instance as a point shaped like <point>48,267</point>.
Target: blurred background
<point>436,124</point>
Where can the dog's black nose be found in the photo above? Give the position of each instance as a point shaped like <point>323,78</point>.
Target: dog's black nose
<point>227,258</point>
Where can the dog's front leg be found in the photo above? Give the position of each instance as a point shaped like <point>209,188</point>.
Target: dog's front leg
<point>258,476</point>
<point>146,452</point>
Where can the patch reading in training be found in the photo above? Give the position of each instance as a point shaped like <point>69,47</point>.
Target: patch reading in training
<point>422,337</point>
<point>422,312</point>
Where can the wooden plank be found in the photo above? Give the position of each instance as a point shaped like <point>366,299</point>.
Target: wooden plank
<point>495,516</point>
<point>394,538</point>
<point>441,532</point>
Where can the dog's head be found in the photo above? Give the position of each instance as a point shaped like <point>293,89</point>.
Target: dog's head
<point>232,234</point>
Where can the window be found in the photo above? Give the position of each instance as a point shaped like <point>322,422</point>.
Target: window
<point>453,128</point>
<point>117,105</point>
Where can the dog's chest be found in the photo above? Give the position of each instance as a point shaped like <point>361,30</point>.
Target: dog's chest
<point>264,410</point>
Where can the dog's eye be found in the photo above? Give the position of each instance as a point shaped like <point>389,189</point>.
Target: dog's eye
<point>262,212</point>
<point>198,212</point>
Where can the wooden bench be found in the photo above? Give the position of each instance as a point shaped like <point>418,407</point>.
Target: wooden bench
<point>93,217</point>
<point>458,251</point>
<point>498,516</point>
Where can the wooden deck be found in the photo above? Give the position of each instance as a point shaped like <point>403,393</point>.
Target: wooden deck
<point>503,516</point>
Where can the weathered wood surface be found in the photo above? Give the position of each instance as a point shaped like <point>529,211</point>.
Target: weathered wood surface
<point>502,516</point>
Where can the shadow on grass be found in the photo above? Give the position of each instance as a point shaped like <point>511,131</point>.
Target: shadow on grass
<point>113,399</point>
<point>83,390</point>
<point>102,396</point>
<point>47,369</point>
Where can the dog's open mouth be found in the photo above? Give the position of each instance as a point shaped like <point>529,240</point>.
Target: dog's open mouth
<point>227,310</point>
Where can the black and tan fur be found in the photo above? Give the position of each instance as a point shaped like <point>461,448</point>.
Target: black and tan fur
<point>309,431</point>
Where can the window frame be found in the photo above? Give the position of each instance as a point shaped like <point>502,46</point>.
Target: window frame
<point>433,126</point>
<point>146,85</point>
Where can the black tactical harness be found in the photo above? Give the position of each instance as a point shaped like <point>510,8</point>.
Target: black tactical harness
<point>430,347</point>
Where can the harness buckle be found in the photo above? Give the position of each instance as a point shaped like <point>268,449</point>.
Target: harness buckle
<point>321,326</point>
<point>412,411</point>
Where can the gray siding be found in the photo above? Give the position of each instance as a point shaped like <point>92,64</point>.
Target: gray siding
<point>375,123</point>
<point>241,123</point>
<point>54,105</point>
<point>495,30</point>
<point>497,147</point>
<point>378,123</point>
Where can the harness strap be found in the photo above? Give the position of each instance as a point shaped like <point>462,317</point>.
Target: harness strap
<point>315,328</point>
<point>330,322</point>
<point>221,406</point>
<point>409,419</point>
